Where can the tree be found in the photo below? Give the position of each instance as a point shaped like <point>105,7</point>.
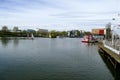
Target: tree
<point>42,33</point>
<point>78,33</point>
<point>87,33</point>
<point>5,29</point>
<point>53,34</point>
<point>64,33</point>
<point>15,28</point>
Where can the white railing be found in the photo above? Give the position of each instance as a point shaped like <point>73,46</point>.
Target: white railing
<point>114,48</point>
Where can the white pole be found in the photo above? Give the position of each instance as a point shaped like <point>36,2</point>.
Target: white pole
<point>119,24</point>
<point>112,37</point>
<point>113,32</point>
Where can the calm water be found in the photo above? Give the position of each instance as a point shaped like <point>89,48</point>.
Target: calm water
<point>51,59</point>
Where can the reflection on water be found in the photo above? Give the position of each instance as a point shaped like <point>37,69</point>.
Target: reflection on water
<point>89,44</point>
<point>5,41</point>
<point>51,59</point>
<point>16,42</point>
<point>114,72</point>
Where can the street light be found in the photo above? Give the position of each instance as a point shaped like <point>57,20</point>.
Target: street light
<point>113,32</point>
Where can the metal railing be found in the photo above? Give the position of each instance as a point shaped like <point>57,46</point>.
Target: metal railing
<point>115,46</point>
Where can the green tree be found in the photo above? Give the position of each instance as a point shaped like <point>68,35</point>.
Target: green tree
<point>53,34</point>
<point>24,33</point>
<point>42,34</point>
<point>87,33</point>
<point>64,33</point>
<point>5,29</point>
<point>15,28</point>
<point>78,33</point>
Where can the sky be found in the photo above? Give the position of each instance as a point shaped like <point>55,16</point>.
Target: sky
<point>59,14</point>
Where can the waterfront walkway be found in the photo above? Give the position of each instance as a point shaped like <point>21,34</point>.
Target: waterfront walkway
<point>116,45</point>
<point>111,56</point>
<point>113,46</point>
<point>111,53</point>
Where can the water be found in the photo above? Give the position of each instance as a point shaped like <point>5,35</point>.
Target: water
<point>51,59</point>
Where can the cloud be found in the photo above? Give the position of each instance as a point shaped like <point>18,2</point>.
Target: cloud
<point>51,13</point>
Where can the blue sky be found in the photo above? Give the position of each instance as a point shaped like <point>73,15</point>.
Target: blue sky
<point>58,14</point>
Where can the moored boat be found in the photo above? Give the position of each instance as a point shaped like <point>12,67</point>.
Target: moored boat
<point>89,39</point>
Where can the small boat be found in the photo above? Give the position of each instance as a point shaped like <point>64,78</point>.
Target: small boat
<point>32,36</point>
<point>89,39</point>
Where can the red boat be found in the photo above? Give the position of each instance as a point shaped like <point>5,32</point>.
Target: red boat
<point>89,39</point>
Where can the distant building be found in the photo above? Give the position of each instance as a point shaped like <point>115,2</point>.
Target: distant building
<point>17,31</point>
<point>99,33</point>
<point>73,33</point>
<point>82,32</point>
<point>43,30</point>
<point>30,30</point>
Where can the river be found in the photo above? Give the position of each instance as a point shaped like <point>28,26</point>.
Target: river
<point>52,59</point>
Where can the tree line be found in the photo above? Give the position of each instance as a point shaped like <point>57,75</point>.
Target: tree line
<point>16,32</point>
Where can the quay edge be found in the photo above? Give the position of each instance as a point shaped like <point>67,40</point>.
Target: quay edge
<point>110,55</point>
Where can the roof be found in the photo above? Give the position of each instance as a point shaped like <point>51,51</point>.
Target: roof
<point>30,30</point>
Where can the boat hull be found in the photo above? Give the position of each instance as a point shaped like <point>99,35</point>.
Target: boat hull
<point>93,41</point>
<point>89,41</point>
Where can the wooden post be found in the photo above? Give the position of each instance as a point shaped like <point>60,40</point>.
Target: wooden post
<point>115,65</point>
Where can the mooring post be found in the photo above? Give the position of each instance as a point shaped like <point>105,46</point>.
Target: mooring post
<point>115,65</point>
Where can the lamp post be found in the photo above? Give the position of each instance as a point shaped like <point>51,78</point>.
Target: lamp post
<point>118,28</point>
<point>113,32</point>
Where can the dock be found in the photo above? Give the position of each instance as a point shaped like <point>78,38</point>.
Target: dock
<point>111,56</point>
